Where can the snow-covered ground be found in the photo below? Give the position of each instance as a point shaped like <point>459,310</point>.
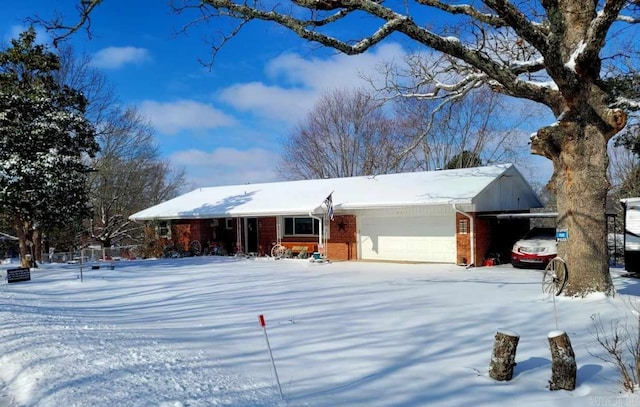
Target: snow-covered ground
<point>185,332</point>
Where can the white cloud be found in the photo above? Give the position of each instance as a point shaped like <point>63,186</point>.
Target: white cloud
<point>116,57</point>
<point>173,117</point>
<point>42,37</point>
<point>338,71</point>
<point>305,80</point>
<point>270,101</point>
<point>227,166</point>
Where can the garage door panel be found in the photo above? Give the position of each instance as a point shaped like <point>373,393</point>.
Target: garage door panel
<point>424,238</point>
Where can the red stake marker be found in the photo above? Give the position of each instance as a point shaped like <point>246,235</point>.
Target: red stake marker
<point>263,324</point>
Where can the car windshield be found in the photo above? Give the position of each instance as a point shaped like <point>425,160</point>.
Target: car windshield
<point>541,233</point>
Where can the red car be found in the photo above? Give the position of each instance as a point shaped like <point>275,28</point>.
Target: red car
<point>535,249</point>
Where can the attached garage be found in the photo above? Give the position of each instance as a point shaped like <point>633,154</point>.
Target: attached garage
<point>402,235</point>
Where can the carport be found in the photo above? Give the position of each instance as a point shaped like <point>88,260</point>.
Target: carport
<point>508,220</point>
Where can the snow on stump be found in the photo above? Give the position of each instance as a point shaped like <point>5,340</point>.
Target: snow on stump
<point>563,362</point>
<point>503,359</point>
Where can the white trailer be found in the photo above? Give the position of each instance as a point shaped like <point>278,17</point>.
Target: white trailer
<point>632,234</point>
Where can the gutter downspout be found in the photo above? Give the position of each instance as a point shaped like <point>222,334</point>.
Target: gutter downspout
<point>472,245</point>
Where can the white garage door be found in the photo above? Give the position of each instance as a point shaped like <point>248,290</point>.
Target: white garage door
<point>419,238</point>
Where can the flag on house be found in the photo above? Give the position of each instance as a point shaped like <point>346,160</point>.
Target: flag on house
<point>329,202</point>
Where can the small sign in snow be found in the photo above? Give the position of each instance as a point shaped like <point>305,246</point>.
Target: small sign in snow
<point>18,274</point>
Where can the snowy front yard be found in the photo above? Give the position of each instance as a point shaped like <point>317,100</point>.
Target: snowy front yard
<point>185,332</point>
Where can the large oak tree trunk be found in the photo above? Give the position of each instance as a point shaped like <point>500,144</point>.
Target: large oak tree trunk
<point>581,187</point>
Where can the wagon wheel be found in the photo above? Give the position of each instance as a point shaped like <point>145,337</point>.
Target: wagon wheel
<point>278,251</point>
<point>195,247</point>
<point>555,276</point>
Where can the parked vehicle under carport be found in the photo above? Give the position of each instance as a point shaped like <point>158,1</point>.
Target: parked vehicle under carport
<point>535,249</point>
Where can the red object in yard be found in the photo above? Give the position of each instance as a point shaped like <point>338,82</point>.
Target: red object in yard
<point>488,263</point>
<point>262,323</point>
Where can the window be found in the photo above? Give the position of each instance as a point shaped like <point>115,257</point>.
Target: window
<point>164,230</point>
<point>301,226</point>
<point>228,223</point>
<point>463,226</point>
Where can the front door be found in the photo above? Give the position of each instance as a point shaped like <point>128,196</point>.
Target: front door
<point>252,235</point>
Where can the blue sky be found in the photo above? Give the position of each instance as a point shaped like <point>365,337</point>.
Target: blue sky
<point>225,124</point>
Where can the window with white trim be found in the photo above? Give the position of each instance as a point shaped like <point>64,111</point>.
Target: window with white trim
<point>463,226</point>
<point>301,226</point>
<point>164,230</point>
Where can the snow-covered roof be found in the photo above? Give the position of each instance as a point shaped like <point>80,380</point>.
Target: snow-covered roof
<point>630,201</point>
<point>459,186</point>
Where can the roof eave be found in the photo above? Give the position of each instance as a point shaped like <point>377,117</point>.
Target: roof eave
<point>224,215</point>
<point>349,207</point>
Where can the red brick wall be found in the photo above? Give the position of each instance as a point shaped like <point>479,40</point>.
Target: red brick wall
<point>482,240</point>
<point>201,230</point>
<point>181,235</point>
<point>185,231</point>
<point>343,233</point>
<point>463,241</point>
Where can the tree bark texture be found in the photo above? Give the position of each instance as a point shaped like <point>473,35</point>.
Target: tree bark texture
<point>563,362</point>
<point>20,227</point>
<point>503,359</point>
<point>581,185</point>
<point>577,145</point>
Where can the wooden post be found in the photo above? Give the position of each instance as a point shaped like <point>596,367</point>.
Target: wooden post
<point>563,362</point>
<point>503,359</point>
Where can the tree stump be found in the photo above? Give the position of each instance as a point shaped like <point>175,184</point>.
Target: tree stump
<point>563,362</point>
<point>503,359</point>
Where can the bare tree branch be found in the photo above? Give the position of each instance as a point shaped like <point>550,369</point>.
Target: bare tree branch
<point>518,21</point>
<point>85,8</point>
<point>597,32</point>
<point>468,10</point>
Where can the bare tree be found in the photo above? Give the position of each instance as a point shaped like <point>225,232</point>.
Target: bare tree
<point>480,124</point>
<point>76,71</point>
<point>555,53</point>
<point>128,172</point>
<point>624,169</point>
<point>129,176</point>
<point>351,132</point>
<point>346,134</point>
